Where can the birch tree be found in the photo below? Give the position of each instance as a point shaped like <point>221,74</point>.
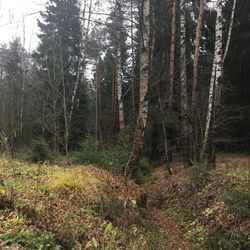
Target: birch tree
<point>144,80</point>
<point>183,80</point>
<point>215,82</point>
<point>119,74</point>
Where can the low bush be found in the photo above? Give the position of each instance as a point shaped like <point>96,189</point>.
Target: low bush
<point>113,158</point>
<point>109,208</point>
<point>40,150</point>
<point>30,239</point>
<point>142,174</point>
<point>199,177</point>
<point>222,238</point>
<point>238,203</point>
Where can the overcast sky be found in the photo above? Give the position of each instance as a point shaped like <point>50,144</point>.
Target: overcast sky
<point>12,14</point>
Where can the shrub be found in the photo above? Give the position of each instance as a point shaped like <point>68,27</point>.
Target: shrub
<point>40,150</point>
<point>199,177</point>
<point>238,203</point>
<point>114,158</point>
<point>224,238</point>
<point>88,153</point>
<point>142,174</point>
<point>109,207</point>
<point>30,239</point>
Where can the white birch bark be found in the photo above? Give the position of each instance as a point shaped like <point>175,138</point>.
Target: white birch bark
<point>144,79</point>
<point>215,88</point>
<point>119,84</point>
<point>119,80</point>
<point>229,32</point>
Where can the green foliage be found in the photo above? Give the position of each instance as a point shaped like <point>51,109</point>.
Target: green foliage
<point>224,238</point>
<point>30,239</point>
<point>142,174</point>
<point>199,177</point>
<point>109,207</point>
<point>113,158</point>
<point>237,202</point>
<point>182,215</point>
<point>88,153</point>
<point>40,150</point>
<point>196,234</point>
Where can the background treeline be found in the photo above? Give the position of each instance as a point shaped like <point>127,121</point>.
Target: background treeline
<point>147,68</point>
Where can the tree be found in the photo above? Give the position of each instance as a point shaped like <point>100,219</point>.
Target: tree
<point>119,80</point>
<point>60,61</point>
<point>144,80</point>
<point>214,89</point>
<point>172,55</point>
<point>183,78</point>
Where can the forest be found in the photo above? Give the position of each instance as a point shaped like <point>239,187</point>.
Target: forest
<point>127,127</point>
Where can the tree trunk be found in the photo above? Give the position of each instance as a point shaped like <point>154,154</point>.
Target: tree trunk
<point>98,80</point>
<point>229,32</point>
<point>214,91</point>
<point>133,60</point>
<point>172,56</point>
<point>144,78</point>
<point>79,74</point>
<point>196,56</point>
<point>65,112</point>
<point>119,85</point>
<point>195,80</point>
<point>183,78</point>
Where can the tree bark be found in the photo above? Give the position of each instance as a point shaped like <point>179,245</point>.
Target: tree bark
<point>229,31</point>
<point>119,85</point>
<point>196,56</point>
<point>215,89</point>
<point>183,78</point>
<point>133,59</point>
<point>98,79</point>
<point>81,60</point>
<point>144,79</point>
<point>195,80</point>
<point>172,56</point>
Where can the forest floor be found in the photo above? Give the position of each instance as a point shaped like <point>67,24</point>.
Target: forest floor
<point>61,206</point>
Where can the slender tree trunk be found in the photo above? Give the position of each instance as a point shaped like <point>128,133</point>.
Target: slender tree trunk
<point>144,78</point>
<point>23,66</point>
<point>196,56</point>
<point>114,98</point>
<point>119,85</point>
<point>183,75</point>
<point>133,59</point>
<point>84,39</point>
<point>172,56</point>
<point>65,112</point>
<point>229,32</point>
<point>119,80</point>
<point>195,80</point>
<point>214,91</point>
<point>98,103</point>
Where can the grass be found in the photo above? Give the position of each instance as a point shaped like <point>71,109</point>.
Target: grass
<point>56,206</point>
<point>80,179</point>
